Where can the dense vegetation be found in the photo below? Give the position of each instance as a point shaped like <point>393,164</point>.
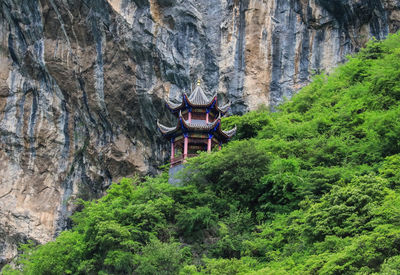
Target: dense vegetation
<point>311,189</point>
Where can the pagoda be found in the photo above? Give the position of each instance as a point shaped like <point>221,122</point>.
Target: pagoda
<point>198,127</point>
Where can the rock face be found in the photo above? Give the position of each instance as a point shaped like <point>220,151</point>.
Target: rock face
<point>83,82</point>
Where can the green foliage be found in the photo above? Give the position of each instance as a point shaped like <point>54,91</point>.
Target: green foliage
<point>310,189</point>
<point>248,125</point>
<point>58,257</point>
<point>160,258</point>
<point>194,221</point>
<point>232,173</point>
<point>390,170</point>
<point>345,210</point>
<point>282,186</point>
<point>233,231</point>
<point>228,266</point>
<point>391,265</point>
<point>347,231</point>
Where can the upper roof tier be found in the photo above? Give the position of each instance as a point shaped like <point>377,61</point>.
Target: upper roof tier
<point>198,97</point>
<point>199,100</point>
<point>184,126</point>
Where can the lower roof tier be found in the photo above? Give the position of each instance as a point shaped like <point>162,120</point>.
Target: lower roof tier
<point>203,129</point>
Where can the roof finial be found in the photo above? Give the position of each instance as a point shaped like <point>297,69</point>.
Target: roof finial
<point>198,82</point>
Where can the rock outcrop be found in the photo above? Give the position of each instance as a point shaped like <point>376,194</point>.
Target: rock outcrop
<point>83,82</point>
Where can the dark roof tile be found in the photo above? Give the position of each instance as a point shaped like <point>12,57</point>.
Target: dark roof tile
<point>198,97</point>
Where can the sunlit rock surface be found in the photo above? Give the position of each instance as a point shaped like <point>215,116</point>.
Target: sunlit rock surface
<point>83,82</point>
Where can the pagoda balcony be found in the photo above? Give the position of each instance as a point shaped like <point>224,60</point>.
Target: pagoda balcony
<point>179,160</point>
<point>176,161</point>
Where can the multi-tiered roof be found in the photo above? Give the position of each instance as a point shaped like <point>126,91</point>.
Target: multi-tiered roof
<point>197,99</point>
<point>199,122</point>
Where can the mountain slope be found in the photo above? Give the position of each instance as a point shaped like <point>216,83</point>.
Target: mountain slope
<point>312,188</point>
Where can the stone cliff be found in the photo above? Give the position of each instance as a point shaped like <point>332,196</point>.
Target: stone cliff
<point>83,82</point>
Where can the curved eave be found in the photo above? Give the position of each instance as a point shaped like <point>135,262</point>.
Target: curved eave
<point>174,107</point>
<point>197,126</point>
<point>230,133</point>
<point>225,136</point>
<point>223,109</point>
<point>167,131</point>
<point>202,105</point>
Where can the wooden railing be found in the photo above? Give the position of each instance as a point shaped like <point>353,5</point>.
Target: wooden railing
<point>179,160</point>
<point>176,161</point>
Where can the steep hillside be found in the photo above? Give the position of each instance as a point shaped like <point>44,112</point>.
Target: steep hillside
<point>83,82</point>
<point>310,189</point>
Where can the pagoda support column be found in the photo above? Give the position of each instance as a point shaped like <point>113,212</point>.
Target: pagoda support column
<point>220,146</point>
<point>207,116</point>
<point>209,141</point>
<point>172,151</point>
<point>185,146</point>
<point>190,117</point>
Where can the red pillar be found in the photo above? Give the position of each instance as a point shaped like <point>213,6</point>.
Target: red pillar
<point>209,145</point>
<point>207,118</point>
<point>190,116</point>
<point>220,146</point>
<point>209,142</point>
<point>185,147</point>
<point>172,151</point>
